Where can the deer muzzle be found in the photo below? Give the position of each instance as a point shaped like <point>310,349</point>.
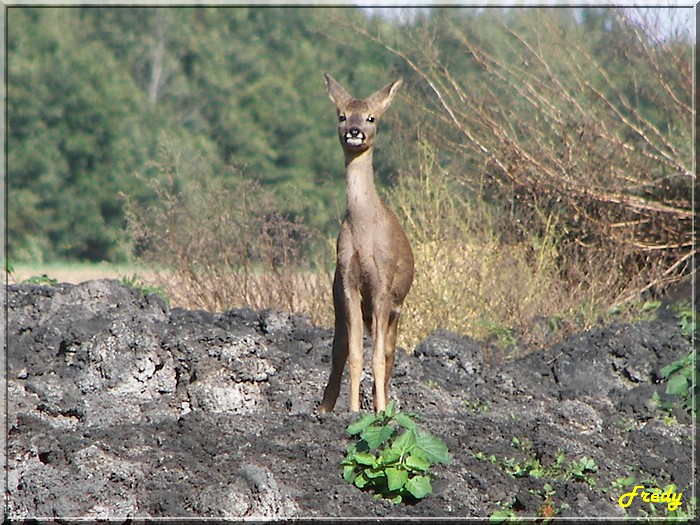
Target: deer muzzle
<point>354,137</point>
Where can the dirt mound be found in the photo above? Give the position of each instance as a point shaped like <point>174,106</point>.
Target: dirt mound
<point>122,407</point>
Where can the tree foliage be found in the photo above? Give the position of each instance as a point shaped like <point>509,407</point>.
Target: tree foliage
<point>575,117</point>
<point>581,119</point>
<point>93,92</point>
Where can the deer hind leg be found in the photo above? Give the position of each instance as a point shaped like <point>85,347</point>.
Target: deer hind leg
<point>340,349</point>
<point>390,347</point>
<point>340,355</point>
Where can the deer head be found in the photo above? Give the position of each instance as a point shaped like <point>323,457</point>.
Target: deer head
<point>357,119</point>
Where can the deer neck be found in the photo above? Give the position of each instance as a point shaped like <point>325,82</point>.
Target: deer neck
<point>360,192</point>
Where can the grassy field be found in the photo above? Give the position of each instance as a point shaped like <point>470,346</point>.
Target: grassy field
<point>75,272</point>
<point>513,308</point>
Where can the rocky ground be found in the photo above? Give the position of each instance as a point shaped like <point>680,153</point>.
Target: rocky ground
<point>120,407</point>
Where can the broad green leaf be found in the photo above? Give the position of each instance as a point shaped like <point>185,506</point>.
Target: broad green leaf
<point>396,478</point>
<point>405,442</point>
<point>671,368</point>
<point>589,464</point>
<point>417,463</point>
<point>389,456</point>
<point>377,436</point>
<point>431,448</point>
<point>361,481</point>
<point>365,458</point>
<point>677,385</point>
<point>361,424</point>
<point>405,421</point>
<point>349,453</point>
<point>536,473</point>
<point>390,410</point>
<point>419,486</point>
<point>396,499</point>
<point>626,482</point>
<point>688,326</point>
<point>349,473</point>
<point>374,473</point>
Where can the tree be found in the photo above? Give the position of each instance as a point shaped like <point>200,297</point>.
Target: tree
<point>71,134</point>
<point>584,120</point>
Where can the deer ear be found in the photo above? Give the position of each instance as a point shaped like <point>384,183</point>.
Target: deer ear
<point>336,92</point>
<point>381,99</point>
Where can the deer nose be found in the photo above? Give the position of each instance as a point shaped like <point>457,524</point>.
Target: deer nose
<point>355,132</point>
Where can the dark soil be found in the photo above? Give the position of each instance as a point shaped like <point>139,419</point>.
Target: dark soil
<point>121,407</point>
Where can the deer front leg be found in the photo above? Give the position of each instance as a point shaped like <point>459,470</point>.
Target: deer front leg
<point>380,369</point>
<point>353,313</point>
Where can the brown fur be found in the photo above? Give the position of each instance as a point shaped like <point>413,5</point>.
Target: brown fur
<point>374,269</point>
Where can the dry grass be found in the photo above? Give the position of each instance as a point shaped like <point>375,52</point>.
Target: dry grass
<point>472,279</point>
<point>76,273</point>
<point>294,292</point>
<point>222,244</point>
<point>528,220</point>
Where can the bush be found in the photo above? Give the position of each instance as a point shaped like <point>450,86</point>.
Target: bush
<point>394,464</point>
<point>551,180</point>
<point>472,278</point>
<point>219,243</point>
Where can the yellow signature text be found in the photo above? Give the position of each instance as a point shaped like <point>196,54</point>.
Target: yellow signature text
<point>668,496</point>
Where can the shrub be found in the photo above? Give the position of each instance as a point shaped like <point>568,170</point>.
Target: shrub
<point>394,464</point>
<point>218,243</point>
<point>548,183</point>
<point>471,278</point>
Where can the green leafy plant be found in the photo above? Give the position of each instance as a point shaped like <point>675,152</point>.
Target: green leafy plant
<point>686,318</point>
<point>392,456</point>
<point>623,483</point>
<point>532,467</point>
<point>679,382</point>
<point>581,469</point>
<point>9,267</point>
<point>40,279</point>
<point>678,375</point>
<point>146,289</point>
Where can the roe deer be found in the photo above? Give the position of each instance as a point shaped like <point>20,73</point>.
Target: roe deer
<point>374,268</point>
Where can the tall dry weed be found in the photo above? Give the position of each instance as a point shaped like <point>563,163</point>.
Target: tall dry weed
<point>552,129</point>
<point>217,244</point>
<point>473,278</point>
<point>221,243</point>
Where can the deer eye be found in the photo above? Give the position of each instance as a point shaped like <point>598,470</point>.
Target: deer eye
<point>342,118</point>
<point>370,119</point>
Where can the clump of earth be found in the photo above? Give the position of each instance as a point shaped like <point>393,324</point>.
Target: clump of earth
<point>121,407</point>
